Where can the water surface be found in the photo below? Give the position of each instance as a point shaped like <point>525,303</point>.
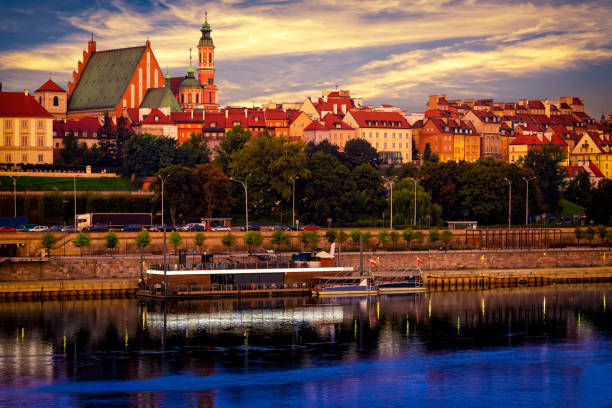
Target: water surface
<point>503,347</point>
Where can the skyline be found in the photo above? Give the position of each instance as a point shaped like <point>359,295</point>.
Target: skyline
<point>396,52</point>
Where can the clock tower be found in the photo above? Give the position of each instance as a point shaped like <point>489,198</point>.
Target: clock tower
<point>206,67</point>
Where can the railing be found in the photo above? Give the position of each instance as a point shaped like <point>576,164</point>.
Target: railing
<point>247,287</point>
<point>221,266</point>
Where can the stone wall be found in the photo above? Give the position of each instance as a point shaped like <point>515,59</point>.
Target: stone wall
<point>90,267</point>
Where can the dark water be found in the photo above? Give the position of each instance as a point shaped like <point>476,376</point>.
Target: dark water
<point>548,346</point>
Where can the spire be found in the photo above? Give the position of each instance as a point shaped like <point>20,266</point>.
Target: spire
<point>190,70</point>
<point>167,77</point>
<point>205,40</point>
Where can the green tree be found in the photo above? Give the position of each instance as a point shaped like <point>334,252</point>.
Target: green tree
<point>428,156</point>
<point>176,240</point>
<point>178,192</point>
<point>355,234</point>
<point>193,151</point>
<point>371,191</point>
<point>309,237</point>
<point>143,239</point>
<point>234,141</point>
<point>408,236</point>
<point>111,241</point>
<point>342,237</point>
<point>366,237</point>
<point>47,241</point>
<point>579,233</point>
<point>598,206</point>
<point>434,235</point>
<point>330,236</point>
<point>228,240</point>
<point>211,186</point>
<point>602,231</point>
<point>394,237</point>
<point>252,239</point>
<point>545,163</point>
<point>199,240</point>
<point>446,237</point>
<point>590,233</point>
<point>280,237</point>
<point>609,235</point>
<point>81,241</point>
<point>383,236</point>
<point>360,151</point>
<point>578,189</point>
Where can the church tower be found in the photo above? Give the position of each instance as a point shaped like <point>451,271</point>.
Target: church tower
<point>206,67</point>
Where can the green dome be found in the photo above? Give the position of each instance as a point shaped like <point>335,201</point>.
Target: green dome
<point>190,83</point>
<point>190,70</point>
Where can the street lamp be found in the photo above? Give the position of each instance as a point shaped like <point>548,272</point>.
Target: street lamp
<point>509,201</point>
<point>527,199</point>
<point>415,197</point>
<point>390,181</point>
<point>15,193</point>
<point>75,205</point>
<point>246,198</point>
<point>293,181</point>
<point>163,182</point>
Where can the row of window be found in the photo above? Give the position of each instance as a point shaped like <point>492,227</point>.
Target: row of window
<point>24,158</point>
<point>8,124</point>
<point>376,135</point>
<point>55,100</point>
<point>399,145</point>
<point>25,141</point>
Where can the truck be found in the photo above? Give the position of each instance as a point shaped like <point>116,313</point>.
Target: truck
<point>113,220</point>
<point>13,221</point>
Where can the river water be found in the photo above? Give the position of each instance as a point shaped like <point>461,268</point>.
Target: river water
<point>545,346</point>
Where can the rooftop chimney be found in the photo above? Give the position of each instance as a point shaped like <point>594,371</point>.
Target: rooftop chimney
<point>25,92</point>
<point>0,86</point>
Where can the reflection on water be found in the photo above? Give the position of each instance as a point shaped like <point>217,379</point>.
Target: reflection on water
<point>520,346</point>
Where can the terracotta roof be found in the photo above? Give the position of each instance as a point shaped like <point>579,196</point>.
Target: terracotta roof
<point>334,122</point>
<point>185,117</point>
<point>20,105</point>
<point>565,106</point>
<point>218,118</point>
<point>530,140</point>
<point>574,171</point>
<point>437,113</point>
<point>175,83</point>
<point>275,114</point>
<point>576,101</point>
<point>391,120</point>
<point>418,124</point>
<point>133,115</point>
<point>50,86</point>
<point>316,126</point>
<point>595,170</point>
<point>535,104</point>
<point>156,117</point>
<point>581,115</point>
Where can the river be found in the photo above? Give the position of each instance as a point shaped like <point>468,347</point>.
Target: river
<point>544,346</point>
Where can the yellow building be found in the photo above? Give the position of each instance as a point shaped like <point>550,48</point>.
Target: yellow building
<point>591,148</point>
<point>26,130</point>
<point>297,126</point>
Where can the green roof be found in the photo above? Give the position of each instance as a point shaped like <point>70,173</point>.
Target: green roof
<point>105,79</point>
<point>160,98</point>
<point>190,83</point>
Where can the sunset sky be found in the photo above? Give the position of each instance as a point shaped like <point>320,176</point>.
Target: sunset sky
<point>395,52</point>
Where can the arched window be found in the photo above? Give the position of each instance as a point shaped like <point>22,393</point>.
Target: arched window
<point>189,98</point>
<point>197,98</point>
<point>55,101</point>
<point>40,100</point>
<point>210,58</point>
<point>182,98</point>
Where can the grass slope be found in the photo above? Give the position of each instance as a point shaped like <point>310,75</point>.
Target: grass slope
<point>65,183</point>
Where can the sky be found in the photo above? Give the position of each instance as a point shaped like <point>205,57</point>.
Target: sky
<point>394,52</point>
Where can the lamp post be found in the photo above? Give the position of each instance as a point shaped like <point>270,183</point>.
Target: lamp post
<point>246,198</point>
<point>15,193</point>
<point>527,199</point>
<point>509,201</point>
<point>75,204</point>
<point>415,188</point>
<point>293,181</point>
<point>163,182</point>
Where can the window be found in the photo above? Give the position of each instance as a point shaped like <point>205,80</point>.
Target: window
<point>9,159</point>
<point>24,158</point>
<point>24,124</point>
<point>210,81</point>
<point>94,134</point>
<point>210,57</point>
<point>197,98</point>
<point>40,124</point>
<point>8,141</point>
<point>41,158</point>
<point>189,98</point>
<point>55,101</point>
<point>57,145</point>
<point>40,100</point>
<point>24,140</point>
<point>183,98</point>
<point>8,124</point>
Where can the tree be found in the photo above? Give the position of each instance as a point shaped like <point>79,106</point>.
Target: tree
<point>143,239</point>
<point>602,231</point>
<point>228,240</point>
<point>111,241</point>
<point>193,151</point>
<point>280,237</point>
<point>309,237</point>
<point>48,240</point>
<point>598,206</point>
<point>199,240</point>
<point>252,239</point>
<point>355,234</point>
<point>545,163</point>
<point>434,235</point>
<point>428,156</point>
<point>579,233</point>
<point>609,236</point>
<point>212,188</point>
<point>371,190</point>
<point>446,237</point>
<point>178,192</point>
<point>590,233</point>
<point>578,189</point>
<point>176,240</point>
<point>360,151</point>
<point>383,236</point>
<point>366,237</point>
<point>394,237</point>
<point>330,236</point>
<point>234,141</point>
<point>408,236</point>
<point>81,241</point>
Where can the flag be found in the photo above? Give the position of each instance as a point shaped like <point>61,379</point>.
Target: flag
<point>419,260</point>
<point>372,262</point>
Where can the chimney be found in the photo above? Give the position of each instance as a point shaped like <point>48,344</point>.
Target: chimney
<point>25,92</point>
<point>335,109</point>
<point>191,114</point>
<point>246,114</point>
<point>0,86</point>
<point>226,114</point>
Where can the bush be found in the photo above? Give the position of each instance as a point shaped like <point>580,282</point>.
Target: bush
<point>252,239</point>
<point>48,240</point>
<point>199,240</point>
<point>446,237</point>
<point>330,236</point>
<point>111,240</point>
<point>81,241</point>
<point>175,239</point>
<point>228,240</point>
<point>280,237</point>
<point>434,235</point>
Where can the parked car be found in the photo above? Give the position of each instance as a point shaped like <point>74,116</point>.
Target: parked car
<point>68,228</point>
<point>296,227</point>
<point>55,228</point>
<point>221,228</point>
<point>132,228</point>
<point>7,228</point>
<point>252,228</point>
<point>280,227</point>
<point>198,228</point>
<point>160,228</point>
<point>39,228</point>
<point>97,228</point>
<point>310,227</point>
<point>25,227</point>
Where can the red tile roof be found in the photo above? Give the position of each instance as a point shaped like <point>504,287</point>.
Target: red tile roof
<point>218,118</point>
<point>530,140</point>
<point>535,105</point>
<point>50,86</point>
<point>316,126</point>
<point>157,117</point>
<point>595,170</point>
<point>391,120</point>
<point>581,115</point>
<point>275,114</point>
<point>185,117</point>
<point>334,122</point>
<point>134,115</point>
<point>20,105</point>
